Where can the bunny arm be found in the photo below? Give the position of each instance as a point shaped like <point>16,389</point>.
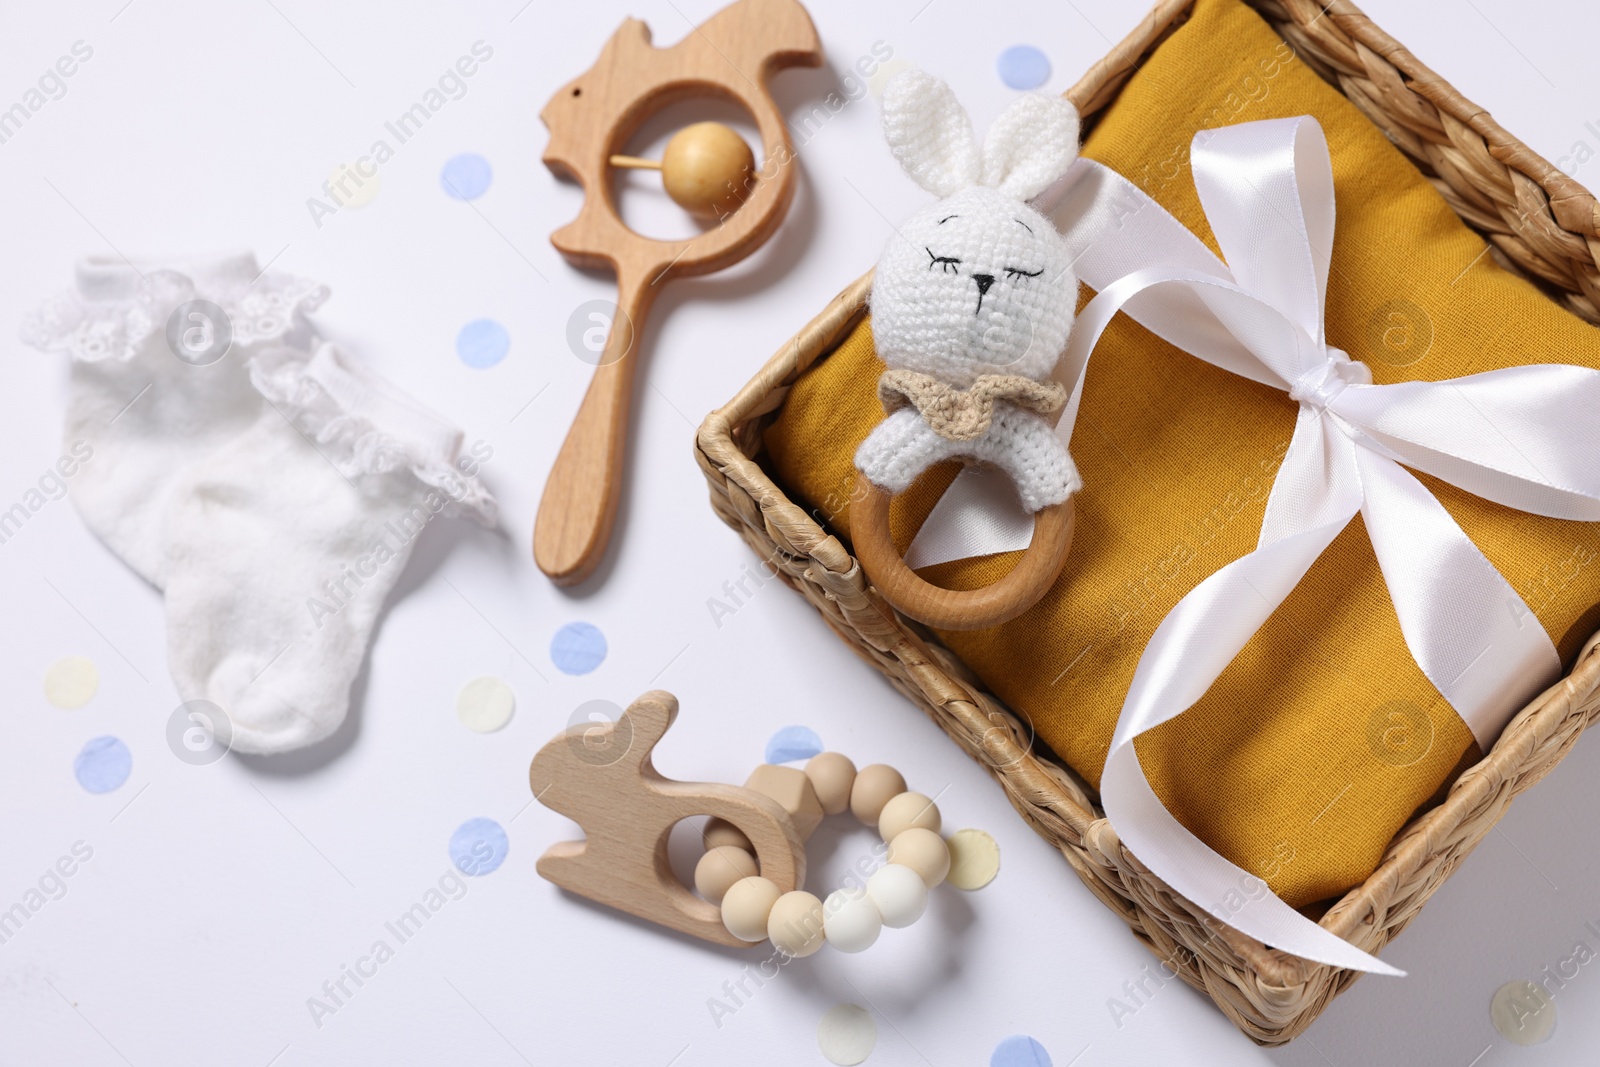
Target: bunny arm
<point>900,448</point>
<point>1019,442</point>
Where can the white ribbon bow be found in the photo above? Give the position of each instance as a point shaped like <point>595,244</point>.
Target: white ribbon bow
<point>1527,437</point>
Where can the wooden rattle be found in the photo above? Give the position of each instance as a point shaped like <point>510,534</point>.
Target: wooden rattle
<point>601,777</point>
<point>732,55</point>
<point>949,609</point>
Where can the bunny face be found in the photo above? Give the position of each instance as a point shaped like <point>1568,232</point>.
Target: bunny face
<point>978,283</point>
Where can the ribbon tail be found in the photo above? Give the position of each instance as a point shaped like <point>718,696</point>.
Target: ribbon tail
<point>1477,641</point>
<point>1228,893</point>
<point>1318,481</point>
<point>979,515</point>
<point>1188,652</point>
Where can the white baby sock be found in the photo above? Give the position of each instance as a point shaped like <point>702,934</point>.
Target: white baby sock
<point>284,542</point>
<point>144,415</point>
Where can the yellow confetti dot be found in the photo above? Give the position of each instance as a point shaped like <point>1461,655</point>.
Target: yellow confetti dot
<point>1523,1012</point>
<point>71,682</point>
<point>974,859</point>
<point>354,184</point>
<point>485,704</point>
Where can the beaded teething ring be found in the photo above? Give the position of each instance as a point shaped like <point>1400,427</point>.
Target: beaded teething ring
<point>797,923</point>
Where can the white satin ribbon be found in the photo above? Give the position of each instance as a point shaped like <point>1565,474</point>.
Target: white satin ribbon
<point>1527,437</point>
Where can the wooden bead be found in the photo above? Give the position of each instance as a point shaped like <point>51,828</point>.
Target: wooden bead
<point>924,852</point>
<point>832,774</point>
<point>899,894</point>
<point>704,169</point>
<point>719,868</point>
<point>872,789</point>
<point>795,926</point>
<point>746,906</point>
<point>792,789</point>
<point>905,812</point>
<point>720,832</point>
<point>851,920</point>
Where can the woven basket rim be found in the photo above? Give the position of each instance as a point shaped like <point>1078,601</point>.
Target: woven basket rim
<point>1270,995</point>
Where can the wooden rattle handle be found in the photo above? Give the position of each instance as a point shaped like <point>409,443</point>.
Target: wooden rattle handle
<point>949,609</point>
<point>580,498</point>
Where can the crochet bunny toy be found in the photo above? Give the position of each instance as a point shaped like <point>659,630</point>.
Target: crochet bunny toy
<point>974,297</point>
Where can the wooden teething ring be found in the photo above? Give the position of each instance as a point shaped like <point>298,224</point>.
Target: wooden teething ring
<point>949,609</point>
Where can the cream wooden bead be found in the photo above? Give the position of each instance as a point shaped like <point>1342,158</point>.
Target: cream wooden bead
<point>722,832</point>
<point>851,920</point>
<point>872,789</point>
<point>899,894</point>
<point>705,167</point>
<point>747,905</point>
<point>905,812</point>
<point>924,852</point>
<point>719,868</point>
<point>832,775</point>
<point>795,926</point>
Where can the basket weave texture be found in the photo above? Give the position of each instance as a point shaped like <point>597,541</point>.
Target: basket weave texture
<point>1540,223</point>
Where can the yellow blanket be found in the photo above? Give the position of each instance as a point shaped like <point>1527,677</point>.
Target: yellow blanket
<point>1323,737</point>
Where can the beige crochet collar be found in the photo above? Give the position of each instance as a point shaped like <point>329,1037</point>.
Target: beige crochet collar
<point>965,414</point>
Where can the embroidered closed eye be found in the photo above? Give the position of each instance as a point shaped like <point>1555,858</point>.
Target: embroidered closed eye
<point>947,263</point>
<point>1017,272</point>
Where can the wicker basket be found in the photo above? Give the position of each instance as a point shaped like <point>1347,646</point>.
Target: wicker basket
<point>1540,223</point>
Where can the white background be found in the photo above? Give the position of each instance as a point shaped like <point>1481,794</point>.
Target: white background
<point>220,898</point>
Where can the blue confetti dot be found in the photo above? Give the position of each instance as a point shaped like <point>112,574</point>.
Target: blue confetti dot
<point>103,765</point>
<point>792,743</point>
<point>482,343</point>
<point>1019,1050</point>
<point>1023,66</point>
<point>467,176</point>
<point>478,846</point>
<point>578,648</point>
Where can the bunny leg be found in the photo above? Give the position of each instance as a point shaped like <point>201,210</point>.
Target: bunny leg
<point>1028,450</point>
<point>900,448</point>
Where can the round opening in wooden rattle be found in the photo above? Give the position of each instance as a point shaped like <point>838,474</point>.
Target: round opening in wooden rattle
<point>950,609</point>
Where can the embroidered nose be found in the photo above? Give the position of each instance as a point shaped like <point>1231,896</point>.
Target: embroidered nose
<point>984,281</point>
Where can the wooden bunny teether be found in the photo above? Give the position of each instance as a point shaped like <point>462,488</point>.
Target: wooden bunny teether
<point>749,882</point>
<point>602,778</point>
<point>731,56</point>
<point>972,302</point>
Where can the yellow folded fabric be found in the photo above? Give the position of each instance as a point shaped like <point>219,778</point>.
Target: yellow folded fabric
<point>1323,737</point>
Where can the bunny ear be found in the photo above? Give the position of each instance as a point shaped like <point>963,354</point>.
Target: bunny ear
<point>929,133</point>
<point>1030,145</point>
